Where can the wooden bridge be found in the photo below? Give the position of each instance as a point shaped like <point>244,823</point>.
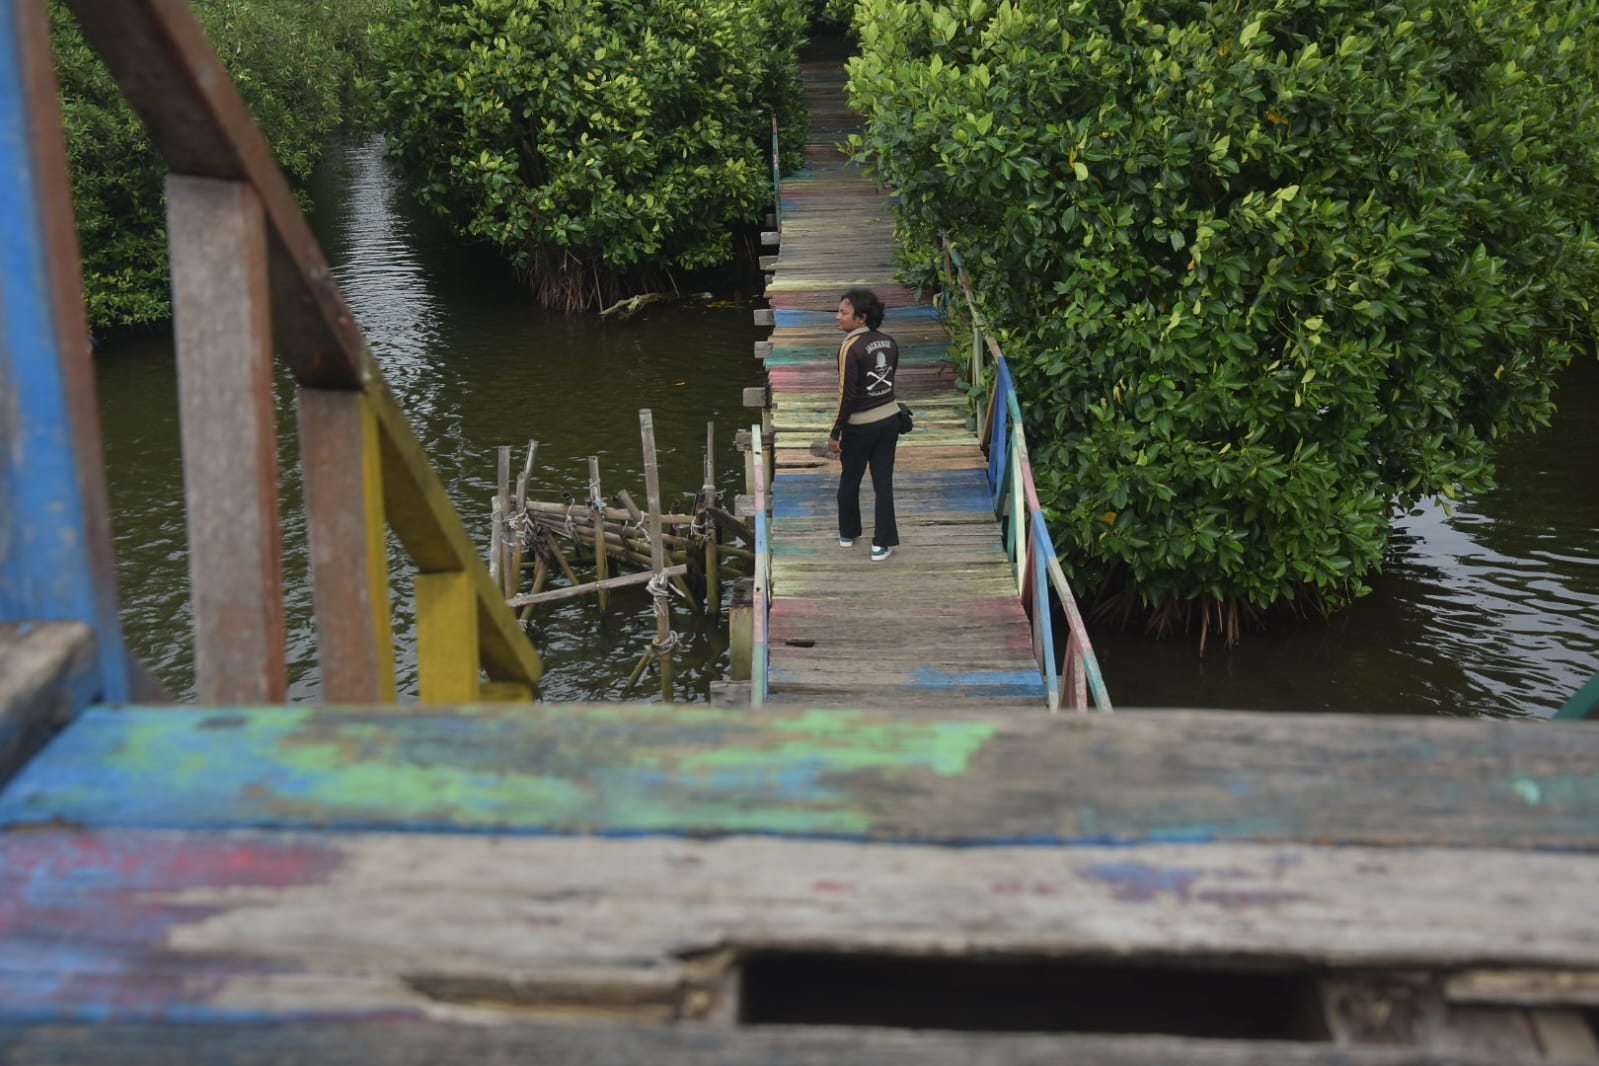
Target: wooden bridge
<point>962,610</point>
<point>467,881</point>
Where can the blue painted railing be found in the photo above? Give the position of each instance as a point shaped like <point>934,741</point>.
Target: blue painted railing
<point>777,177</point>
<point>1584,703</point>
<point>1030,548</point>
<point>56,559</point>
<point>762,603</point>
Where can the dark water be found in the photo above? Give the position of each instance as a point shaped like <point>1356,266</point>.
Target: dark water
<point>1494,610</point>
<point>475,367</point>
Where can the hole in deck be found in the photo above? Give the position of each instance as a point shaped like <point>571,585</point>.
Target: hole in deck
<point>1026,995</point>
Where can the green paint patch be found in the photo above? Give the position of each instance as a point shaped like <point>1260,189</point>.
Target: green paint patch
<point>845,741</point>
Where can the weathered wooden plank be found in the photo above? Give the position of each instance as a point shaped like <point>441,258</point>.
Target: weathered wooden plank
<point>222,326</point>
<point>47,671</point>
<point>1524,987</point>
<point>929,774</point>
<point>1564,1034</point>
<point>581,1044</point>
<point>342,471</point>
<point>235,925</point>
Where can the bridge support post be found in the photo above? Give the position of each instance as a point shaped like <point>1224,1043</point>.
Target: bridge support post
<point>222,320</point>
<point>344,521</point>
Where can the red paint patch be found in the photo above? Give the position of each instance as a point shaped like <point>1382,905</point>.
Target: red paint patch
<point>832,886</point>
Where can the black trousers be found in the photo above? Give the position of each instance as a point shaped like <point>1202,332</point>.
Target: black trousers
<point>862,446</point>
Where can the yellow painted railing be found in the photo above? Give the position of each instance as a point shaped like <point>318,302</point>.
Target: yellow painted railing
<point>249,280</point>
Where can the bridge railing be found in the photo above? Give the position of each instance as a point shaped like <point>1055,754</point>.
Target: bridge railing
<point>760,657</point>
<point>249,278</point>
<point>1031,550</point>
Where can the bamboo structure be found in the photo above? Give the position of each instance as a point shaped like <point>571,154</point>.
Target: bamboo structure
<point>689,554</point>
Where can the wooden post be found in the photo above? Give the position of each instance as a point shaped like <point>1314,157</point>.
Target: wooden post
<point>222,319</point>
<point>663,616</point>
<point>602,557</point>
<point>712,532</point>
<point>741,441</point>
<point>344,522</point>
<point>741,626</point>
<point>768,453</point>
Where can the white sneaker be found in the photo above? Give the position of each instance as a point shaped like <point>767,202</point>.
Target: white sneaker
<point>846,542</point>
<point>879,554</point>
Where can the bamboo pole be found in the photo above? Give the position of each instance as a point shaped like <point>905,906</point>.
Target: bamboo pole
<point>652,493</point>
<point>602,557</point>
<point>496,519</point>
<point>713,577</point>
<point>612,514</point>
<point>733,524</point>
<point>502,499</point>
<point>519,509</point>
<point>643,577</point>
<point>632,511</point>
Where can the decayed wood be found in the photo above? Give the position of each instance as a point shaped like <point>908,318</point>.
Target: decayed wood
<point>349,550</point>
<point>342,924</point>
<point>43,667</point>
<point>1573,987</point>
<point>223,331</point>
<point>1564,1034</point>
<point>595,1044</point>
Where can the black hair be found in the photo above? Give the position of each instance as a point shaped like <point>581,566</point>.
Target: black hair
<point>866,303</point>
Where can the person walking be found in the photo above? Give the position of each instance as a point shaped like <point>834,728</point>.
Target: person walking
<point>866,428</point>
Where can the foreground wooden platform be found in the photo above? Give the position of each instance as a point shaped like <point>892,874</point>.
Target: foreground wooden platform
<point>650,884</point>
<point>941,618</point>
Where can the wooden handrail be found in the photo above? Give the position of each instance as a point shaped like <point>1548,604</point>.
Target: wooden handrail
<point>57,563</point>
<point>1030,548</point>
<point>170,74</point>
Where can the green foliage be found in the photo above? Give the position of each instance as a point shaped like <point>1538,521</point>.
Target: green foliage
<point>589,139</point>
<point>1265,271</point>
<point>839,13</point>
<point>296,65</point>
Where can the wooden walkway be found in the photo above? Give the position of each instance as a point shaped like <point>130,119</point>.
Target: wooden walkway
<point>941,617</point>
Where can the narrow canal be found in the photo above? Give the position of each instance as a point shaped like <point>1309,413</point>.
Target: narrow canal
<point>1494,610</point>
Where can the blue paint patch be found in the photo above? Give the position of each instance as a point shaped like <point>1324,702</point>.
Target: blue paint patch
<point>1142,882</point>
<point>1024,684</point>
<point>789,318</point>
